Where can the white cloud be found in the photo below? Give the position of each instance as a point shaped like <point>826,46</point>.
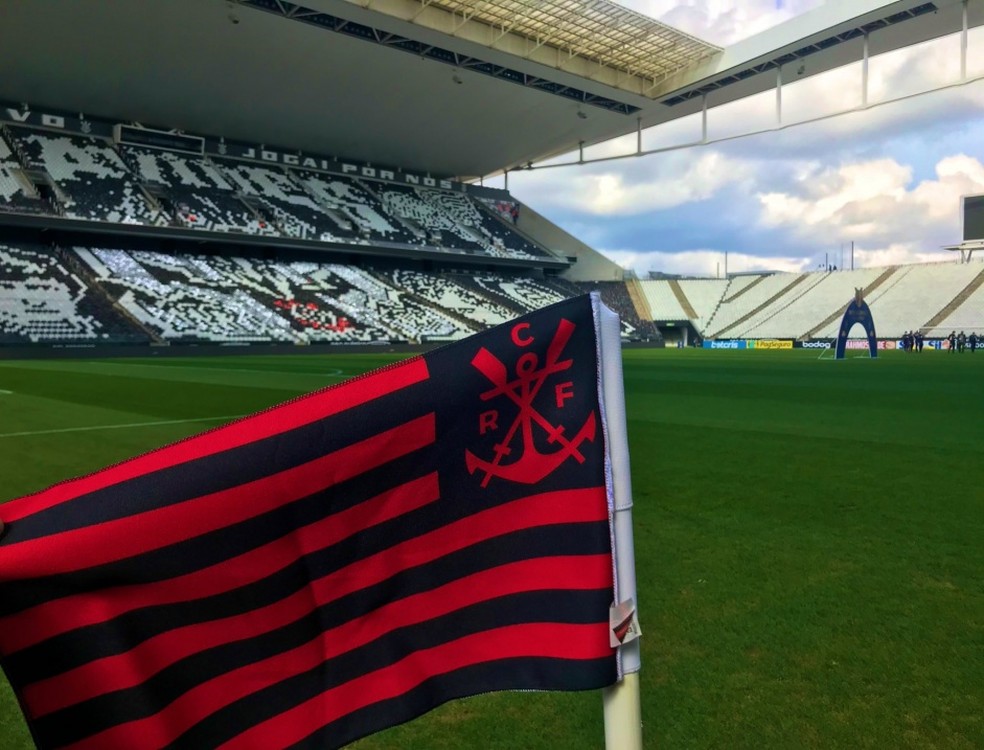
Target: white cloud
<point>874,202</point>
<point>709,263</point>
<point>898,254</point>
<point>616,190</point>
<point>721,22</point>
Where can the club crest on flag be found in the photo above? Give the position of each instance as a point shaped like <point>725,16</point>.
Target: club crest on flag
<point>516,456</point>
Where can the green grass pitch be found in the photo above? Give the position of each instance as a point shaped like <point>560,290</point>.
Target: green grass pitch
<point>809,537</point>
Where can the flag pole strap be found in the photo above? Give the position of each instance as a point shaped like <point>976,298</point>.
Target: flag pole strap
<point>622,705</point>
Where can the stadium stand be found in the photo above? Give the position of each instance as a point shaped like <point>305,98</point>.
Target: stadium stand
<point>93,179</point>
<point>797,316</point>
<point>200,197</point>
<point>445,292</point>
<point>360,206</point>
<point>94,182</point>
<point>911,297</point>
<point>16,191</point>
<point>313,297</point>
<point>704,296</point>
<point>496,233</point>
<point>751,305</point>
<point>295,212</point>
<point>428,222</point>
<point>663,304</point>
<point>521,294</point>
<point>108,293</point>
<point>192,298</point>
<point>615,294</point>
<point>184,299</point>
<point>968,312</point>
<point>382,303</point>
<point>43,301</point>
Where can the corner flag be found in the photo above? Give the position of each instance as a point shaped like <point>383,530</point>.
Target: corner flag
<point>335,565</point>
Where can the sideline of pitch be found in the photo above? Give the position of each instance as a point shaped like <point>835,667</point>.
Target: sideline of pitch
<point>62,430</point>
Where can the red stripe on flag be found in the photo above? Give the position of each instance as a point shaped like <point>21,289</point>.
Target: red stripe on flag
<point>550,640</point>
<point>549,573</point>
<point>150,657</point>
<point>143,532</point>
<point>266,424</point>
<point>68,613</point>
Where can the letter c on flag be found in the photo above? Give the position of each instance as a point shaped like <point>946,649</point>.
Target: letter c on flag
<point>517,337</point>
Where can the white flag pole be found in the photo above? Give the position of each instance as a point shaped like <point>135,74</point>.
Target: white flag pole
<point>622,707</point>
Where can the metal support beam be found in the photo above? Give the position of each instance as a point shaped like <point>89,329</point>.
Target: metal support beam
<point>963,44</point>
<point>864,73</point>
<point>638,135</point>
<point>779,95</point>
<point>703,118</point>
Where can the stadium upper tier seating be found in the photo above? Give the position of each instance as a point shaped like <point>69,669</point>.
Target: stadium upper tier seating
<point>968,315</point>
<point>16,191</point>
<point>791,306</point>
<point>913,295</point>
<point>494,229</point>
<point>200,195</point>
<point>296,213</point>
<point>96,180</point>
<point>799,315</point>
<point>42,300</point>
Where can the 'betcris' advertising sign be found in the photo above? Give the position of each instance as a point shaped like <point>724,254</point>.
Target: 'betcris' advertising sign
<point>732,344</point>
<point>770,344</point>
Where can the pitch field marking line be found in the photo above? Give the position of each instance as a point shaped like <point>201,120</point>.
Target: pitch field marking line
<point>6,393</point>
<point>63,430</point>
<point>334,372</point>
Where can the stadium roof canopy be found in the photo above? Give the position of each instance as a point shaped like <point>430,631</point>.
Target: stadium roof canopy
<point>459,88</point>
<point>598,31</point>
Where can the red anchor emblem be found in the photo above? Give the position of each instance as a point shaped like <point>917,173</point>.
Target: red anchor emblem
<point>532,465</point>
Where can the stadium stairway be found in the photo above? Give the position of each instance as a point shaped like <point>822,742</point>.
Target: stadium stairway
<point>744,289</point>
<point>882,278</point>
<point>751,313</point>
<point>682,299</point>
<point>717,307</point>
<point>633,287</point>
<point>14,146</point>
<point>947,311</point>
<point>408,225</point>
<point>514,228</point>
<point>438,309</point>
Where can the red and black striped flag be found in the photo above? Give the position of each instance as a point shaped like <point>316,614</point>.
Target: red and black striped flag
<point>330,567</point>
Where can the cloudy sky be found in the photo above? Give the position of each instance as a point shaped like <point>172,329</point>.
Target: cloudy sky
<point>889,179</point>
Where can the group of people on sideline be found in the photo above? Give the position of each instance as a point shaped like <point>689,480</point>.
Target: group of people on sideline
<point>912,341</point>
<point>958,342</point>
